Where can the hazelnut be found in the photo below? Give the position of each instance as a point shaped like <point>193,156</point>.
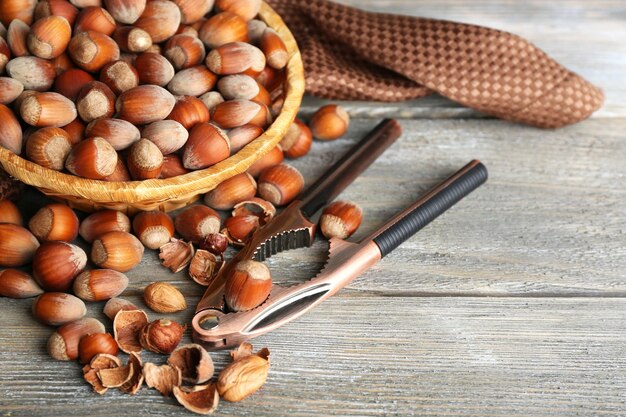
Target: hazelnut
<point>95,18</point>
<point>144,160</point>
<point>199,399</point>
<point>274,49</point>
<point>17,10</point>
<point>280,184</point>
<point>56,264</point>
<point>17,245</point>
<point>153,228</point>
<point>120,173</point>
<point>163,378</point>
<point>329,122</point>
<point>194,363</point>
<point>115,305</point>
<point>235,58</point>
<point>17,35</point>
<point>117,250</point>
<point>49,147</point>
<point>211,99</point>
<point>172,166</point>
<point>238,86</point>
<point>223,28</point>
<point>193,81</point>
<point>340,219</point>
<point>10,130</point>
<point>119,76</point>
<point>239,229</point>
<point>164,298</point>
<point>205,266</point>
<point>234,190</point>
<point>184,51</point>
<point>75,131</point>
<point>193,10</point>
<point>235,113</point>
<point>145,104</point>
<point>18,284</point>
<point>243,377</point>
<point>247,9</point>
<point>168,135</point>
<point>54,222</point>
<point>5,53</point>
<point>47,109</point>
<point>207,145</point>
<point>247,286</point>
<point>256,28</point>
<point>154,69</point>
<point>297,141</point>
<point>93,158</point>
<point>92,50</point>
<point>189,111</point>
<point>195,222</point>
<point>132,39</point>
<point>216,243</point>
<point>93,344</point>
<point>125,11</point>
<point>70,82</point>
<point>63,343</point>
<point>176,254</point>
<point>270,159</point>
<point>119,133</point>
<point>99,284</point>
<point>160,19</point>
<point>10,89</point>
<point>62,63</point>
<point>161,336</point>
<point>94,101</point>
<point>56,308</point>
<point>127,325</point>
<point>242,135</point>
<point>101,222</point>
<point>9,213</point>
<point>61,8</point>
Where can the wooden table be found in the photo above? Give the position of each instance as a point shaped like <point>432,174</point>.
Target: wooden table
<point>511,303</point>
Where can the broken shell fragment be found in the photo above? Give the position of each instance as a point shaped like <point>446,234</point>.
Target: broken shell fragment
<point>176,254</point>
<point>132,385</point>
<point>127,327</point>
<point>205,266</point>
<point>115,377</point>
<point>163,378</point>
<point>256,206</point>
<point>99,362</point>
<point>201,399</point>
<point>194,363</point>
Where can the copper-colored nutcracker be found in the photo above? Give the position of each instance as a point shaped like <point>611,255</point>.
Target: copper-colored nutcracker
<point>218,328</point>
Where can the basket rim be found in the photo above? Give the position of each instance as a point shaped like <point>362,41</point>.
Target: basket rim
<point>188,185</point>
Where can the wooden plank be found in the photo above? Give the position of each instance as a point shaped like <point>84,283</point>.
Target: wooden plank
<point>585,37</point>
<point>368,355</point>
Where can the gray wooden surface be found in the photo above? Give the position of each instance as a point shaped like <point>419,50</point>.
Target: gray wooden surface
<point>512,303</point>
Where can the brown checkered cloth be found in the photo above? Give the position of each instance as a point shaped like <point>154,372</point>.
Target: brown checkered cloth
<point>350,54</point>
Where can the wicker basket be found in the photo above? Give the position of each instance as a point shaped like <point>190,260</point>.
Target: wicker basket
<point>171,193</point>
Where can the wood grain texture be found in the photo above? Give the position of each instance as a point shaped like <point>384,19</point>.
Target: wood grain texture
<point>512,303</point>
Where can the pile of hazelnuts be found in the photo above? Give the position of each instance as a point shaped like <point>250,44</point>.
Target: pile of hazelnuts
<point>122,90</point>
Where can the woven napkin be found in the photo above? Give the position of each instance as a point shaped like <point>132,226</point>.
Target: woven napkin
<point>350,54</point>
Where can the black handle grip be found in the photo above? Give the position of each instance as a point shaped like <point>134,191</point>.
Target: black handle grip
<point>430,206</point>
<point>350,166</point>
